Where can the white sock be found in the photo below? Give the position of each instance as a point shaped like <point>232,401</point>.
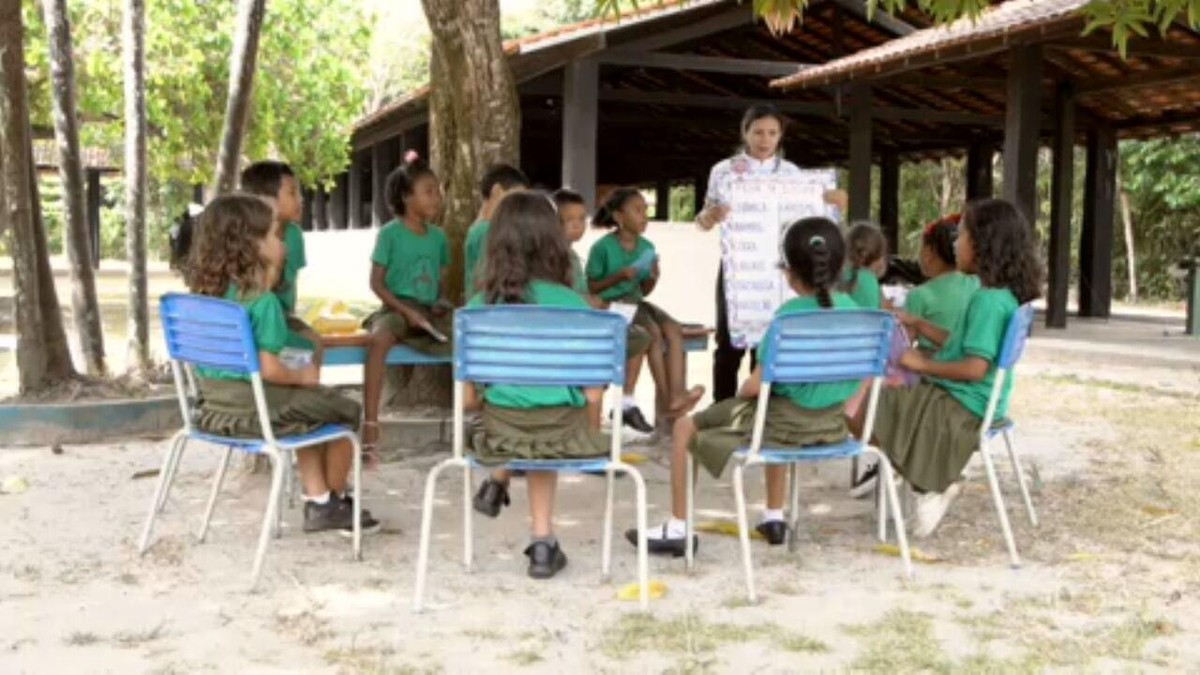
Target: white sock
<point>628,402</point>
<point>676,529</point>
<point>770,515</point>
<point>321,499</point>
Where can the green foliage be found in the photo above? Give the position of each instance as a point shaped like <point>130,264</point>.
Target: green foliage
<point>683,203</point>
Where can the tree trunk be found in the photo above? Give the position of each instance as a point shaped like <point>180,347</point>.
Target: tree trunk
<point>133,38</point>
<point>1130,251</point>
<point>242,64</point>
<point>84,305</point>
<point>474,121</point>
<point>43,357</point>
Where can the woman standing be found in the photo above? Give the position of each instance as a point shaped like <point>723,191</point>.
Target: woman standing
<point>762,131</point>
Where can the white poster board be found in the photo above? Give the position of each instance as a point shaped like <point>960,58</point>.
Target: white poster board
<point>760,209</point>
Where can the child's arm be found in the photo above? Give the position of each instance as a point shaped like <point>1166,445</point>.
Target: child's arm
<point>598,286</point>
<point>472,398</point>
<point>379,287</point>
<point>596,301</point>
<point>595,405</point>
<point>650,281</point>
<point>752,385</point>
<point>922,328</point>
<point>443,303</point>
<point>970,369</point>
<point>272,370</point>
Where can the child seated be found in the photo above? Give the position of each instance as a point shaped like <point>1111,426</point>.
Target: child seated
<point>934,307</point>
<point>499,180</point>
<point>623,267</point>
<point>866,262</point>
<point>528,263</point>
<point>798,415</point>
<point>239,255</point>
<point>407,267</point>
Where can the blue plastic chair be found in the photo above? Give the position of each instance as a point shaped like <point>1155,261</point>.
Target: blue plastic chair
<point>812,347</point>
<point>208,332</point>
<point>536,345</point>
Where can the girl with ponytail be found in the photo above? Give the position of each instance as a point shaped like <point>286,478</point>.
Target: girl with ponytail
<point>797,416</point>
<point>934,307</point>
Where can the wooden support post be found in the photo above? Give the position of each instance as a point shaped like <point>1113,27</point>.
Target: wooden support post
<point>700,192</point>
<point>662,200</point>
<point>980,182</point>
<point>860,153</point>
<point>1022,121</point>
<point>1061,206</point>
<point>385,157</point>
<point>889,200</point>
<point>306,209</point>
<point>94,192</point>
<point>354,191</point>
<point>320,212</point>
<point>198,193</point>
<point>337,203</point>
<point>581,103</point>
<point>1096,237</point>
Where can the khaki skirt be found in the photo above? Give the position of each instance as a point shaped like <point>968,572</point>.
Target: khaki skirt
<point>928,435</point>
<point>725,427</point>
<point>506,434</point>
<point>227,409</point>
<point>412,336</point>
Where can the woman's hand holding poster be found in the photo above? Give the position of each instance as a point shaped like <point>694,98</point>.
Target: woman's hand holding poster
<point>760,209</point>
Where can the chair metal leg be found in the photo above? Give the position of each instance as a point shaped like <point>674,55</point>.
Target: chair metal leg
<point>468,521</point>
<point>793,508</point>
<point>269,518</point>
<point>286,462</point>
<point>689,532</point>
<point>893,497</point>
<point>881,509</point>
<point>853,471</point>
<point>218,479</point>
<point>171,470</point>
<point>358,497</point>
<point>643,554</point>
<point>164,477</point>
<point>739,494</point>
<point>1021,482</point>
<point>998,501</point>
<point>426,527</point>
<point>607,537</point>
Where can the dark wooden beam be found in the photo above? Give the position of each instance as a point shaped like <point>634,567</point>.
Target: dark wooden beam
<point>700,188</point>
<point>860,153</point>
<point>580,114</point>
<point>1135,81</point>
<point>320,210</point>
<point>980,180</point>
<point>713,101</point>
<point>306,209</point>
<point>534,64</point>
<point>879,17</point>
<point>893,114</point>
<point>93,194</point>
<point>1022,129</point>
<point>1096,236</point>
<point>337,203</point>
<point>385,157</point>
<point>889,199</point>
<point>1133,47</point>
<point>1061,208</point>
<point>704,64</point>
<point>735,17</point>
<point>662,200</point>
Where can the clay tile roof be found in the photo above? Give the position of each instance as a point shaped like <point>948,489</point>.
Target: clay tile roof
<point>998,25</point>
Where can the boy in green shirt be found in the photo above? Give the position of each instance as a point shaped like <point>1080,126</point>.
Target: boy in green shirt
<point>499,180</point>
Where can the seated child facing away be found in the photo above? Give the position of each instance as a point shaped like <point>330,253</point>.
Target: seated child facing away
<point>866,262</point>
<point>498,180</point>
<point>934,307</point>
<point>407,267</point>
<point>528,264</point>
<point>930,431</point>
<point>572,214</point>
<point>797,415</point>
<point>275,181</point>
<point>623,267</point>
<point>238,255</point>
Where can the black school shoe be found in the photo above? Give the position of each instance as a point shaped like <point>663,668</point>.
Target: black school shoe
<point>634,419</point>
<point>545,560</point>
<point>663,545</point>
<point>369,524</point>
<point>491,497</point>
<point>775,531</point>
<point>336,515</point>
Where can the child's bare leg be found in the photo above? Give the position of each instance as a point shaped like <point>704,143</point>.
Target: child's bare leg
<point>685,430</point>
<point>542,486</point>
<point>318,351</point>
<point>657,362</point>
<point>680,401</point>
<point>382,340</point>
<point>595,406</point>
<point>776,486</point>
<point>339,457</point>
<point>633,369</point>
<point>312,471</point>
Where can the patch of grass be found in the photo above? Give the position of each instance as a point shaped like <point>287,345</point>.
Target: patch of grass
<point>788,588</point>
<point>82,639</point>
<point>1112,385</point>
<point>133,639</point>
<point>524,657</point>
<point>307,628</point>
<point>736,602</point>
<point>802,644</point>
<point>482,634</point>
<point>694,638</point>
<point>373,661</point>
<point>1127,640</point>
<point>901,641</point>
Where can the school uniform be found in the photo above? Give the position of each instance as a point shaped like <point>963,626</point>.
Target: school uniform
<point>608,257</point>
<point>930,431</point>
<point>474,255</point>
<point>941,301</point>
<point>536,422</point>
<point>637,339</point>
<point>296,260</point>
<point>413,264</point>
<point>862,286</point>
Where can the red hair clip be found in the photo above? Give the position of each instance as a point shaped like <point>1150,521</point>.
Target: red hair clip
<point>411,156</point>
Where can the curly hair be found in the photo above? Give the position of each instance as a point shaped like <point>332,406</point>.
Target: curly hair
<point>606,215</point>
<point>402,181</point>
<point>814,251</point>
<point>525,243</point>
<point>225,250</point>
<point>865,244</point>
<point>1004,248</point>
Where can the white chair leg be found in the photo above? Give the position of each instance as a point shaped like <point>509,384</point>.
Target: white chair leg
<point>689,531</point>
<point>171,470</point>
<point>739,494</point>
<point>468,521</point>
<point>426,526</point>
<point>607,537</point>
<point>998,501</point>
<point>218,479</point>
<point>793,508</point>
<point>853,471</point>
<point>358,497</point>
<point>643,553</point>
<point>1021,482</point>
<point>285,460</point>
<point>164,477</point>
<point>881,506</point>
<point>269,518</point>
<point>893,498</point>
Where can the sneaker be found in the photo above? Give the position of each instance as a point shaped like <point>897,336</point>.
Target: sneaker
<point>634,419</point>
<point>545,560</point>
<point>369,524</point>
<point>491,497</point>
<point>332,515</point>
<point>774,531</point>
<point>931,508</point>
<point>865,485</point>
<point>659,542</point>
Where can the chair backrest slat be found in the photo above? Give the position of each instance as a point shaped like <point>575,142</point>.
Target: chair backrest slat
<point>1015,337</point>
<point>208,332</point>
<point>828,346</point>
<point>539,346</point>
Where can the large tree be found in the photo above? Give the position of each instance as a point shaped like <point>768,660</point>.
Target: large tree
<point>42,350</point>
<point>133,38</point>
<point>84,305</point>
<point>242,65</point>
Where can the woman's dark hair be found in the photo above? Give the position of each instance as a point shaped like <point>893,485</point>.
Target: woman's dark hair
<point>564,196</point>
<point>506,176</point>
<point>813,250</point>
<point>402,181</point>
<point>225,250</point>
<point>265,178</point>
<point>762,111</point>
<point>606,215</point>
<point>525,243</point>
<point>940,236</point>
<point>865,244</point>
<point>1004,248</point>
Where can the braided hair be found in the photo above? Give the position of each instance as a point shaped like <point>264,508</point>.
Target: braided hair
<point>865,244</point>
<point>813,251</point>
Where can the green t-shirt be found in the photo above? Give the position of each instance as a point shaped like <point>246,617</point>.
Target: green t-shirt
<point>979,332</point>
<point>825,394</point>
<point>293,238</point>
<point>941,301</point>
<point>516,396</point>
<point>474,252</point>
<point>414,262</point>
<point>608,257</point>
<point>865,292</point>
<point>267,321</point>
<point>578,279</point>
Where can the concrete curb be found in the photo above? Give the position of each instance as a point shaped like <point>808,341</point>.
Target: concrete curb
<point>88,421</point>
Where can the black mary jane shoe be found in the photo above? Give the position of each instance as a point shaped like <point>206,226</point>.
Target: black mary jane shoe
<point>545,560</point>
<point>675,547</point>
<point>491,497</point>
<point>775,531</point>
